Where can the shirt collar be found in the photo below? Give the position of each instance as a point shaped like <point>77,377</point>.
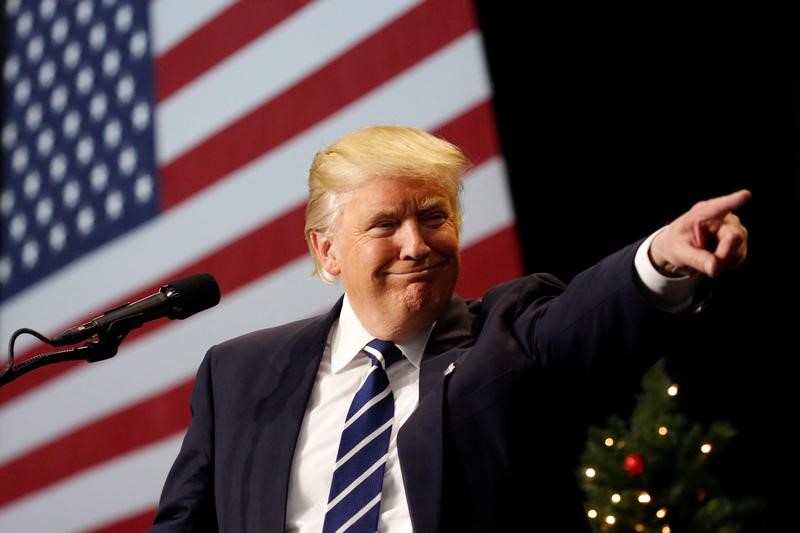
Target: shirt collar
<point>350,338</point>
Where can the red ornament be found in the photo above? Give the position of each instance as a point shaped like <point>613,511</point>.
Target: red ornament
<point>634,464</point>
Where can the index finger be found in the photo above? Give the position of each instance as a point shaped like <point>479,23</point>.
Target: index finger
<point>719,206</point>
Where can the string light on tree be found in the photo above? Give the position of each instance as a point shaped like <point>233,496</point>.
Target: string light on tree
<point>657,461</point>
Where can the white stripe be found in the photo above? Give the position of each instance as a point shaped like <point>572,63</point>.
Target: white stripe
<point>375,501</point>
<point>375,399</point>
<point>96,496</point>
<point>356,482</point>
<point>264,68</point>
<point>486,200</point>
<point>165,358</point>
<point>438,89</point>
<point>378,355</point>
<point>366,440</point>
<point>171,21</point>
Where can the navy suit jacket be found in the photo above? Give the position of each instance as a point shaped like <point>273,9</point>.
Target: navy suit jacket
<point>505,387</point>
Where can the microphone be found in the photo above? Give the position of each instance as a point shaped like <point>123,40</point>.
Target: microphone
<point>178,299</point>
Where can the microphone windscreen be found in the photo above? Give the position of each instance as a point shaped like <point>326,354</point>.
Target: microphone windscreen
<point>192,294</point>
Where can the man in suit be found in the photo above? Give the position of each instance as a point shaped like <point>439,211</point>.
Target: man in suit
<point>488,396</point>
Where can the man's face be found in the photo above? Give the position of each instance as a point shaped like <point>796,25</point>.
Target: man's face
<point>395,247</point>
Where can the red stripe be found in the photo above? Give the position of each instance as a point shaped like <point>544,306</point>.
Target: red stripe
<point>130,524</point>
<point>254,255</point>
<point>474,132</point>
<point>265,248</point>
<point>152,418</point>
<point>220,37</point>
<point>490,261</point>
<point>342,81</point>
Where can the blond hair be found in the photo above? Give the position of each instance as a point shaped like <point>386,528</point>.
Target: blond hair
<point>388,152</point>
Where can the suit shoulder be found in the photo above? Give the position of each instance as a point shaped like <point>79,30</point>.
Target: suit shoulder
<point>523,290</point>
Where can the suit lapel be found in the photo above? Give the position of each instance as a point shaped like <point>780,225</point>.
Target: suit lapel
<point>284,409</point>
<point>419,441</point>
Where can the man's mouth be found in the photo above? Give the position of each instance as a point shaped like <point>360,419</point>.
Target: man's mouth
<point>421,271</point>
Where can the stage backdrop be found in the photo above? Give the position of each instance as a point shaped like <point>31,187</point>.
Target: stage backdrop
<point>140,147</point>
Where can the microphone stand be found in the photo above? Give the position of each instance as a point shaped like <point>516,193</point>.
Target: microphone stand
<point>105,347</point>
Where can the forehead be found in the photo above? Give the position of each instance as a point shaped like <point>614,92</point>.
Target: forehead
<point>386,194</point>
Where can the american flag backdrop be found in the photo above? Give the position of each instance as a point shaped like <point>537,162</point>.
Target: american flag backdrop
<point>146,141</point>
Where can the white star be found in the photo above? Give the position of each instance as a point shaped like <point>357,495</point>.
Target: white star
<point>12,6</point>
<point>6,202</point>
<point>98,106</point>
<point>22,92</point>
<point>99,177</point>
<point>71,194</point>
<point>35,48</point>
<point>114,205</point>
<point>58,167</point>
<point>47,8</point>
<point>85,149</point>
<point>143,188</point>
<point>9,135</point>
<point>30,253</point>
<point>57,237</point>
<point>123,18</point>
<point>138,45</point>
<point>58,98</point>
<point>127,160</point>
<point>33,116</point>
<point>72,123</point>
<point>19,159</point>
<point>11,68</point>
<point>84,12</point>
<point>125,89</point>
<point>111,63</point>
<point>44,211</point>
<point>59,30</point>
<point>18,227</point>
<point>31,184</point>
<point>97,36</point>
<point>141,116</point>
<point>112,133</point>
<point>44,142</point>
<point>85,80</point>
<point>24,24</point>
<point>85,220</point>
<point>72,54</point>
<point>47,73</point>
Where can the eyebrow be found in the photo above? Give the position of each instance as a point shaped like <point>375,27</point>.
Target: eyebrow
<point>429,203</point>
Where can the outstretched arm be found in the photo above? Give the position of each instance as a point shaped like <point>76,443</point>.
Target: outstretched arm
<point>709,238</point>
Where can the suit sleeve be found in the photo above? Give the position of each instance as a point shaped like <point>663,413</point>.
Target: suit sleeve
<point>187,500</point>
<point>601,326</point>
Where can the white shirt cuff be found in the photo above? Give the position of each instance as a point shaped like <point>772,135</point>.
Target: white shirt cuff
<point>673,295</point>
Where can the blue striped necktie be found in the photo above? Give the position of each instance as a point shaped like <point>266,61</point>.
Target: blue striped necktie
<point>355,496</point>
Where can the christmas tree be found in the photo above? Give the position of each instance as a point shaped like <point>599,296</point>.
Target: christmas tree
<point>655,472</point>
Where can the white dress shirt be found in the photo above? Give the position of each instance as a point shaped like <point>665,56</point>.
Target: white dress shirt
<point>341,372</point>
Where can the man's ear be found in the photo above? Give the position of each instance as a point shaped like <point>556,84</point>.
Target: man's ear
<point>323,247</point>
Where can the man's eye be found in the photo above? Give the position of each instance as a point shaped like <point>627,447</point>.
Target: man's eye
<point>436,217</point>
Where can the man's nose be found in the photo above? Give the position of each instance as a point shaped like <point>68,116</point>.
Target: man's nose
<point>412,241</point>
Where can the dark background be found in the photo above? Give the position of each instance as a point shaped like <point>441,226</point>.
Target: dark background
<point>613,120</point>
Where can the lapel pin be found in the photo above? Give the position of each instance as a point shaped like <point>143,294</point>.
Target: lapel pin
<point>449,369</point>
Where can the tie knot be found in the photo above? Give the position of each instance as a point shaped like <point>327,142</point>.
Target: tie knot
<point>378,350</point>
